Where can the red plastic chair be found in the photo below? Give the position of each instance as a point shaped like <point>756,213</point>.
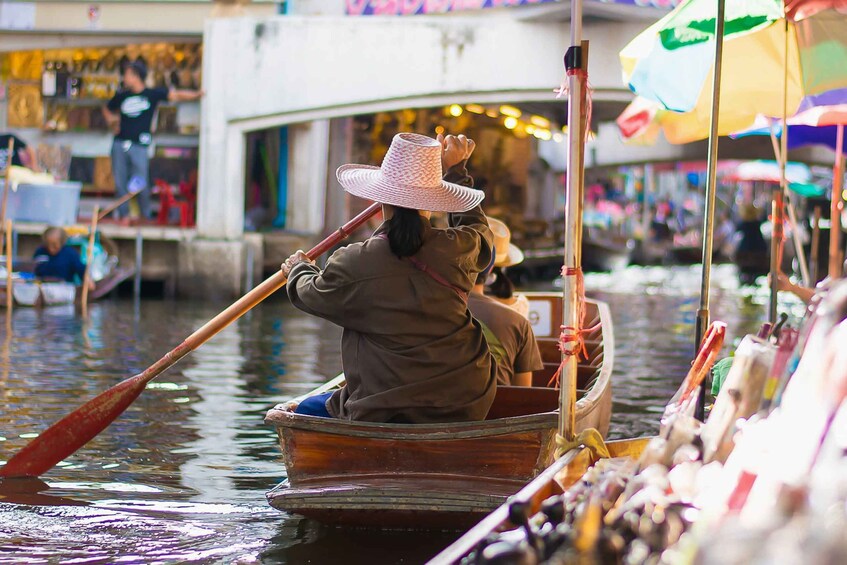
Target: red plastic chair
<point>188,191</point>
<point>168,200</point>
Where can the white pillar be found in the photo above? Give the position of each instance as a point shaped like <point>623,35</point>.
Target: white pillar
<point>307,175</point>
<point>220,194</point>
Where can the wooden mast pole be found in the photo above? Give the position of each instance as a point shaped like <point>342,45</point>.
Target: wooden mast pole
<point>576,65</point>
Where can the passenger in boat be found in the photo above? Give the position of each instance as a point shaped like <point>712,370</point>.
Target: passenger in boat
<point>751,254</point>
<point>507,331</point>
<point>410,350</point>
<point>56,260</point>
<point>498,284</point>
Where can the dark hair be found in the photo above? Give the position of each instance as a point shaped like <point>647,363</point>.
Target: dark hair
<point>58,232</point>
<point>139,68</point>
<point>405,232</point>
<point>502,287</point>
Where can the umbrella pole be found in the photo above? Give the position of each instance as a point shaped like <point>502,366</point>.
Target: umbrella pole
<point>576,64</point>
<point>711,195</point>
<point>816,239</point>
<point>781,159</point>
<point>835,206</point>
<point>646,215</point>
<point>778,195</point>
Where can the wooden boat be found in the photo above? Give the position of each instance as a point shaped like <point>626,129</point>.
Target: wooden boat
<point>605,254</point>
<point>555,480</point>
<point>441,475</point>
<point>39,294</point>
<point>597,255</point>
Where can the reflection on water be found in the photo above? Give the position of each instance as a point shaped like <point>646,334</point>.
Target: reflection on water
<point>181,476</point>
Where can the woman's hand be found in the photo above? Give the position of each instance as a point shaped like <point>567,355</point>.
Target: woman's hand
<point>456,148</point>
<point>298,257</point>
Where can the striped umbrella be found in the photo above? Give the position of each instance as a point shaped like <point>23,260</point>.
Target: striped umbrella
<point>671,61</point>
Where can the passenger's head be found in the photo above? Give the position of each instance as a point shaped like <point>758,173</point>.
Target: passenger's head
<point>135,74</point>
<point>499,285</point>
<point>409,184</point>
<point>508,253</point>
<point>54,239</point>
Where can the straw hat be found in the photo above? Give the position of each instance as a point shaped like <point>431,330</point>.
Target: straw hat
<point>410,177</point>
<point>506,252</point>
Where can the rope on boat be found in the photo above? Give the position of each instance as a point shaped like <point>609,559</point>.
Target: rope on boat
<point>563,90</point>
<point>572,339</point>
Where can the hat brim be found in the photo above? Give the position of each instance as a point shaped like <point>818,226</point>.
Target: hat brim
<point>368,182</point>
<point>514,257</point>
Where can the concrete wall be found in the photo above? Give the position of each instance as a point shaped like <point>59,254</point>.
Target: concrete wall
<point>110,16</point>
<point>261,73</point>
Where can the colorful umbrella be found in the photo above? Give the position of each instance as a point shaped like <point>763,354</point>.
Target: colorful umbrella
<point>641,122</point>
<point>769,171</point>
<point>671,62</point>
<point>821,121</point>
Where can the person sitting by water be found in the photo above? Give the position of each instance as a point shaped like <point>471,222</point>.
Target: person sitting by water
<point>498,284</point>
<point>410,349</point>
<point>56,260</point>
<point>751,253</point>
<point>508,333</point>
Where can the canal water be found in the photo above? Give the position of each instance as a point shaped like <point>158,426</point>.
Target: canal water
<point>181,476</point>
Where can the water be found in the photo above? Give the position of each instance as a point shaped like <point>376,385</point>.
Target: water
<point>181,476</point>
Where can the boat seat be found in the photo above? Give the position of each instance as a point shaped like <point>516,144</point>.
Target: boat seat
<point>522,401</point>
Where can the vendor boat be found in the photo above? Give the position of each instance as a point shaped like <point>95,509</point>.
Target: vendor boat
<point>555,480</point>
<point>442,475</point>
<point>28,291</point>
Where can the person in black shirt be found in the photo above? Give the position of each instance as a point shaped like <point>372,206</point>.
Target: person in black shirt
<point>130,113</point>
<point>22,156</point>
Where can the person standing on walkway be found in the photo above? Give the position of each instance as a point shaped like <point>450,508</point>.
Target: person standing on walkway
<point>130,114</point>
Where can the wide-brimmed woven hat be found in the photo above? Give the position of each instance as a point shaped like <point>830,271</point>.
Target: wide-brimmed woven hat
<point>506,252</point>
<point>410,177</point>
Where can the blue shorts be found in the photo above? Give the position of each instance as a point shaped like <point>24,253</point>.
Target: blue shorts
<point>315,406</point>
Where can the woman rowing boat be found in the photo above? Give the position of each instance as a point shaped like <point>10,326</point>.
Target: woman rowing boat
<point>411,351</point>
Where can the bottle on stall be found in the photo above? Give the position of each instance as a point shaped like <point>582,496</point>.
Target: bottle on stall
<point>48,79</point>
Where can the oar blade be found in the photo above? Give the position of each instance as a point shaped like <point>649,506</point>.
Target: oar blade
<point>73,431</point>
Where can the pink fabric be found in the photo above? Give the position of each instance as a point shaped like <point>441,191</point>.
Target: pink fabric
<point>797,10</point>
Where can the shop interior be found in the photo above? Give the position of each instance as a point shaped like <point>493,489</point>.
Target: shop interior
<point>53,101</point>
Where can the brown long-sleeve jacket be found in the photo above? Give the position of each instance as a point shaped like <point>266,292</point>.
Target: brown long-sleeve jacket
<point>411,351</point>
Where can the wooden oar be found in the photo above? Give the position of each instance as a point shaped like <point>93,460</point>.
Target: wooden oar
<point>86,280</point>
<point>115,205</point>
<point>80,426</point>
<point>9,297</point>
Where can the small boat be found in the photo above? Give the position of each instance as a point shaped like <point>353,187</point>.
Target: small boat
<point>545,263</point>
<point>555,480</point>
<point>40,294</point>
<point>606,254</point>
<point>441,475</point>
<point>27,291</point>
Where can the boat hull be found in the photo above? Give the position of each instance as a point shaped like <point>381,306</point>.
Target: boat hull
<point>42,294</point>
<point>604,256</point>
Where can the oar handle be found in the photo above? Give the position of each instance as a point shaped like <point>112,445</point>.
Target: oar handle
<point>706,357</point>
<point>252,298</point>
<point>115,205</point>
